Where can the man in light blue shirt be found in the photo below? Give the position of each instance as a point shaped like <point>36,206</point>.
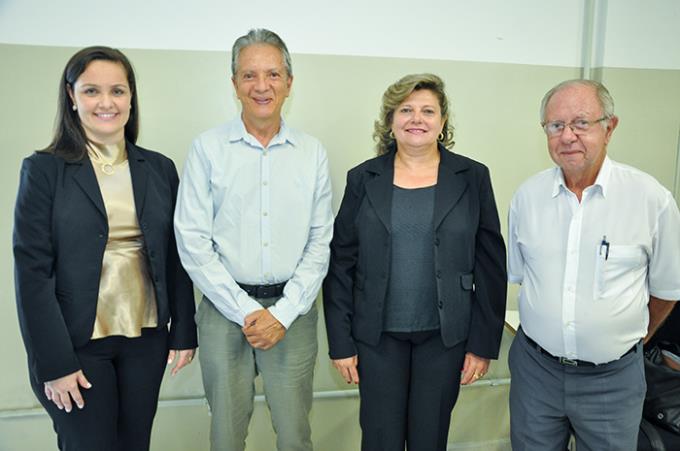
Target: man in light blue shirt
<point>253,224</point>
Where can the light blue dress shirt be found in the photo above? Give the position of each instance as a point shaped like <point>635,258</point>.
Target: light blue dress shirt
<point>255,215</point>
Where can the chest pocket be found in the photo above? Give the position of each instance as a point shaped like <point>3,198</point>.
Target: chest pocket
<point>617,272</point>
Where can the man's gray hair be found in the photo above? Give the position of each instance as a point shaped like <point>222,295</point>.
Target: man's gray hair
<point>603,96</point>
<point>260,36</point>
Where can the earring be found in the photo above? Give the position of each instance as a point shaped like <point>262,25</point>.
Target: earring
<point>391,134</point>
<point>74,107</point>
<point>441,136</point>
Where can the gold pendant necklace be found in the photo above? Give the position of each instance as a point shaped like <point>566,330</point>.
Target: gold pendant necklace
<point>107,165</point>
<point>107,168</point>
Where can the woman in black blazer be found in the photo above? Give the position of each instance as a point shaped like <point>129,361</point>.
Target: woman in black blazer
<point>97,274</point>
<point>415,294</point>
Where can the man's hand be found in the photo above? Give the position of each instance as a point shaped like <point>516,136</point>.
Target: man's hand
<point>262,330</point>
<point>60,391</point>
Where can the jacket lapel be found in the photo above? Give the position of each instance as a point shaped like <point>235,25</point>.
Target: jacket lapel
<point>139,175</point>
<point>451,184</point>
<point>87,180</point>
<point>379,188</point>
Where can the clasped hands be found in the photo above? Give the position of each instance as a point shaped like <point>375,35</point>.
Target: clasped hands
<point>262,329</point>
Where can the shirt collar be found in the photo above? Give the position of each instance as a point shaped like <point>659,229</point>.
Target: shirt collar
<point>239,133</point>
<point>601,181</point>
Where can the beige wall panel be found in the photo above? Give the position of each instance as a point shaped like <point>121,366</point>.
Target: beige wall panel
<point>336,98</point>
<point>648,104</point>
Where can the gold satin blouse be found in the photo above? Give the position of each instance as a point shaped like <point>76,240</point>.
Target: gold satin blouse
<point>127,300</point>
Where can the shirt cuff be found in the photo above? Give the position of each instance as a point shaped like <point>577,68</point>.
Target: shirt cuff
<point>515,279</point>
<point>284,311</point>
<point>665,295</point>
<point>247,305</point>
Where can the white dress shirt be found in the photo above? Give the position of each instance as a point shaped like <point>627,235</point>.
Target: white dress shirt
<point>587,269</point>
<point>255,215</point>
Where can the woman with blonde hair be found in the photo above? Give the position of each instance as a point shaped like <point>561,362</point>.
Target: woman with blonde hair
<point>415,294</point>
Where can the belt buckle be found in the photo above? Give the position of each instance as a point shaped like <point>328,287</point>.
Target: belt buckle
<point>265,292</point>
<point>566,361</point>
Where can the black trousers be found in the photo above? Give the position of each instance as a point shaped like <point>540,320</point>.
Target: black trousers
<point>409,384</point>
<point>126,375</point>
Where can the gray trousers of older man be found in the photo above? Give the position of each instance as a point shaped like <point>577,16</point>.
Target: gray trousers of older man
<point>601,404</point>
<point>229,366</point>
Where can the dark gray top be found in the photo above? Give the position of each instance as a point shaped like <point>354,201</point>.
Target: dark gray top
<point>411,303</point>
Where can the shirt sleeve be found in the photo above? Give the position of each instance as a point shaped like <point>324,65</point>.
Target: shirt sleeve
<point>194,214</point>
<point>303,286</point>
<point>515,259</point>
<point>664,264</point>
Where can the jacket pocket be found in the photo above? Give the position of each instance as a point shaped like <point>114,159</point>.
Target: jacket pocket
<point>467,281</point>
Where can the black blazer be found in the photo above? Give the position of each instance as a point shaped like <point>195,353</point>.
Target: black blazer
<point>468,249</point>
<point>60,233</point>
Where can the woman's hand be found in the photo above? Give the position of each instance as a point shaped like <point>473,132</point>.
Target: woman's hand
<point>60,391</point>
<point>184,357</point>
<point>474,368</point>
<point>348,368</point>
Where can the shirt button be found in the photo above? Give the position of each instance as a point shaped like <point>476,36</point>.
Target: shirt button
<point>265,153</point>
<point>264,183</point>
<point>436,241</point>
<point>264,214</point>
<point>439,274</point>
<point>265,244</point>
<point>440,304</point>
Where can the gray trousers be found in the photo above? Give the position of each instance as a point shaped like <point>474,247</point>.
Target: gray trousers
<point>229,366</point>
<point>602,404</point>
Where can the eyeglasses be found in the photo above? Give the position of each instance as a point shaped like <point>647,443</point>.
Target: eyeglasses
<point>578,126</point>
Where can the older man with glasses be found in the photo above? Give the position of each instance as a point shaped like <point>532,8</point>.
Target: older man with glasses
<point>595,246</point>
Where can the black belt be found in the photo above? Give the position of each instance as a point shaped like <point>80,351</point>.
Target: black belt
<point>570,362</point>
<point>263,291</point>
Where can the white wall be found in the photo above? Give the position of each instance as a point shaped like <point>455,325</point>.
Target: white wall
<point>632,33</point>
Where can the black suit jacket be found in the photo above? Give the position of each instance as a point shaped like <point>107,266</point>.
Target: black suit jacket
<point>60,233</point>
<point>468,248</point>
